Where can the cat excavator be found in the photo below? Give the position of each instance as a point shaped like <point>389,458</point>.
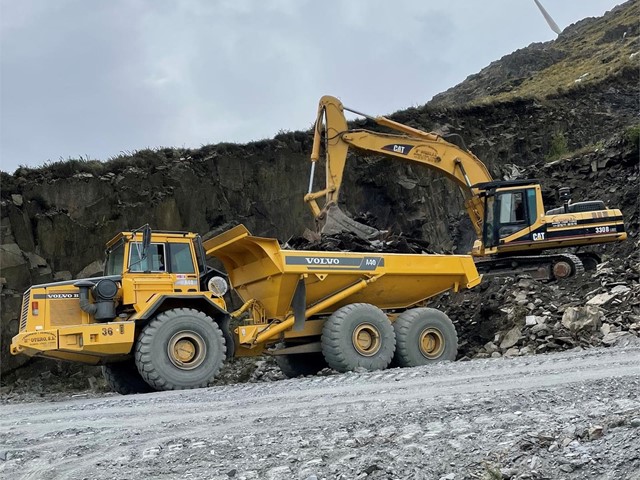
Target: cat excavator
<point>509,218</point>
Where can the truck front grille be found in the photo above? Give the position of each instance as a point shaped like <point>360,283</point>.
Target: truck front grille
<point>26,299</point>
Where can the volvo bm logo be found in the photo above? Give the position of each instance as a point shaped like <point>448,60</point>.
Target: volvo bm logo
<point>62,295</point>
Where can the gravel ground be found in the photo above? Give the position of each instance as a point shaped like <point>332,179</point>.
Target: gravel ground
<point>569,415</point>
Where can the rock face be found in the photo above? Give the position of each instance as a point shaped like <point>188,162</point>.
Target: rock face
<point>56,219</point>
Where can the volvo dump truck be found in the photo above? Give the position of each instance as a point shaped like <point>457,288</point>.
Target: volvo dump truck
<point>157,319</point>
<point>512,227</point>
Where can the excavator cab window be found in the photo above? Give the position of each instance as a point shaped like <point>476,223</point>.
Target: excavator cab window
<point>507,213</point>
<point>512,213</point>
<point>511,208</point>
<point>532,205</point>
<point>489,222</point>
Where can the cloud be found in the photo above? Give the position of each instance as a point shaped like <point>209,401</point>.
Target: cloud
<point>97,78</point>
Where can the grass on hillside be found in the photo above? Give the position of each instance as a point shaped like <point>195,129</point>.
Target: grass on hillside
<point>594,52</point>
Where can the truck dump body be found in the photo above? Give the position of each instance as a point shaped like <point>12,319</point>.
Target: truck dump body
<point>259,268</point>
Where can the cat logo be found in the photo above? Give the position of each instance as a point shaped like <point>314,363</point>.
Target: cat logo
<point>538,236</point>
<point>401,148</point>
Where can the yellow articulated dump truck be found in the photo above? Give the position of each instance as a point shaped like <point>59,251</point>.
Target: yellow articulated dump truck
<point>157,319</point>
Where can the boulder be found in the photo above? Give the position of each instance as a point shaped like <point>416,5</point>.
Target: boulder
<point>15,267</point>
<point>600,299</point>
<point>622,339</point>
<point>511,338</point>
<point>588,318</point>
<point>94,269</point>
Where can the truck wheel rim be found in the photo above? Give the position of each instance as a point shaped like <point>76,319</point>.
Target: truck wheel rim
<point>366,339</point>
<point>431,343</point>
<point>186,350</point>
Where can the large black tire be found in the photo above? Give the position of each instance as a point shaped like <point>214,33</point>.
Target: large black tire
<point>179,349</point>
<point>358,336</point>
<point>301,364</point>
<point>124,378</point>
<point>423,336</point>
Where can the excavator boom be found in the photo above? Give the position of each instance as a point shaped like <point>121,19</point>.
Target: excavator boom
<point>428,149</point>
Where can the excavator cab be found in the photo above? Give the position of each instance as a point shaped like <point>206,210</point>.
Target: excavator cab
<point>511,210</point>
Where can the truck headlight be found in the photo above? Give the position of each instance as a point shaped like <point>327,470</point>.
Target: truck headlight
<point>218,286</point>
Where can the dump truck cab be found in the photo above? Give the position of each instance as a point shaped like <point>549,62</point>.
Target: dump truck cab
<point>96,320</point>
<point>158,264</point>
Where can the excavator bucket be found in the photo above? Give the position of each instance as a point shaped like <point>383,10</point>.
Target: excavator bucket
<point>336,221</point>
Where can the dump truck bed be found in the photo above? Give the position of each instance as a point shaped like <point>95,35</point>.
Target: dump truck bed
<point>260,269</point>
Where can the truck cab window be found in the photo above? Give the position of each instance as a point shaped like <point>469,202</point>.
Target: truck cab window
<point>181,259</point>
<point>115,259</point>
<point>153,262</point>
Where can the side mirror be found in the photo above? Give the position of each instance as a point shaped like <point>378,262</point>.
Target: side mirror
<point>146,239</point>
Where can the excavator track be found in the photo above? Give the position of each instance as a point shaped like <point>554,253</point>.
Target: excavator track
<point>541,267</point>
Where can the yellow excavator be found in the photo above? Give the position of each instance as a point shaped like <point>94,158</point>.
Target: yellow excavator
<point>512,227</point>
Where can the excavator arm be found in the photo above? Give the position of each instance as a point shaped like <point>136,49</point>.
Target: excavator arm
<point>410,144</point>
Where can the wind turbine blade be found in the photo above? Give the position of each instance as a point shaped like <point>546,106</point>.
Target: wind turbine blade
<point>554,26</point>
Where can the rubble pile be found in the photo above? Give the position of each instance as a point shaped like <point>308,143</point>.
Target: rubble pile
<point>521,316</point>
<point>348,242</point>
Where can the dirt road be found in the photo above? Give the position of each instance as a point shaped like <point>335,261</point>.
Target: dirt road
<point>573,415</point>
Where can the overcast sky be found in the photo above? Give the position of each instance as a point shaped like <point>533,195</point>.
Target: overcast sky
<point>99,77</point>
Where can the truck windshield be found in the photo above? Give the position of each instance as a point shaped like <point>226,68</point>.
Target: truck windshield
<point>115,259</point>
<point>181,260</point>
<point>153,262</point>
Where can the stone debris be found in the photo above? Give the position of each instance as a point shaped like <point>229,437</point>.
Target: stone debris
<point>520,316</point>
<point>348,242</point>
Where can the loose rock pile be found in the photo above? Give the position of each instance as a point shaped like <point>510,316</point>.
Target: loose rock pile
<point>521,316</point>
<point>348,242</point>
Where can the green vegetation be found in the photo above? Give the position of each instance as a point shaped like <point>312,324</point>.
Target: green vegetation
<point>72,166</point>
<point>492,473</point>
<point>632,135</point>
<point>594,51</point>
<point>559,147</point>
<point>147,159</point>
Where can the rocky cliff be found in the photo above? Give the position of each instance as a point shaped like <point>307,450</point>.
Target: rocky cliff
<point>56,219</point>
